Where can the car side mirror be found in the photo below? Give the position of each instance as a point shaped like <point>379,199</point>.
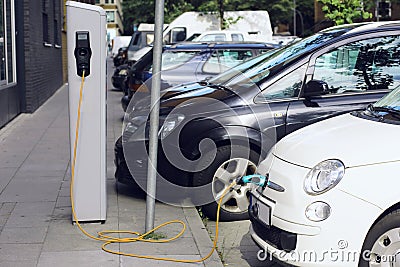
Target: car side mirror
<point>315,88</point>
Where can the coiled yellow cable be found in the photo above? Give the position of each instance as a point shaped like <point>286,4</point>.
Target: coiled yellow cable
<point>105,235</point>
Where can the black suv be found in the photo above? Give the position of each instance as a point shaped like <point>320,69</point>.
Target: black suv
<point>216,131</point>
<point>188,62</point>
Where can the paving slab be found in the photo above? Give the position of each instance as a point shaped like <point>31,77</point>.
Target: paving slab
<point>19,252</point>
<point>20,263</point>
<point>23,235</point>
<point>31,189</point>
<point>82,258</point>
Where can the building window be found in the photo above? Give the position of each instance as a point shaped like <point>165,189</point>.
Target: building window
<point>7,42</point>
<point>56,8</point>
<point>45,23</point>
<point>110,16</point>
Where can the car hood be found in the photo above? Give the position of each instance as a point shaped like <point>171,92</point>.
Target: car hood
<point>187,95</point>
<point>353,140</point>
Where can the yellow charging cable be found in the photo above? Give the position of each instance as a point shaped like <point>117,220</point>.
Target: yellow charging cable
<point>105,235</point>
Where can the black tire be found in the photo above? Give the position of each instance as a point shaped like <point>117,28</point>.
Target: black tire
<point>387,223</point>
<point>205,177</point>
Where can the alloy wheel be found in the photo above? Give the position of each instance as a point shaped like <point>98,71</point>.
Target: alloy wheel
<point>236,200</point>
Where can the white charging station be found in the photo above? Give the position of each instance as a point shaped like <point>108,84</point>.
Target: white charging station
<point>86,26</point>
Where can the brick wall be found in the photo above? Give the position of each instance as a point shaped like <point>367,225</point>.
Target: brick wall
<point>43,65</point>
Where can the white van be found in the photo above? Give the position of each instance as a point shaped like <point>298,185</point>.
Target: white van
<point>255,23</point>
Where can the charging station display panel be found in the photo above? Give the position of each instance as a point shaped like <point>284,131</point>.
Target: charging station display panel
<point>82,53</point>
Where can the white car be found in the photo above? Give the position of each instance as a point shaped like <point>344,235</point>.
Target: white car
<point>333,196</point>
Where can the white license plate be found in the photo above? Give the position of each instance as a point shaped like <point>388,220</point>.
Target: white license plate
<point>264,211</point>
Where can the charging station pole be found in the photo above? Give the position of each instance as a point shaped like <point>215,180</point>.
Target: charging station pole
<point>87,51</point>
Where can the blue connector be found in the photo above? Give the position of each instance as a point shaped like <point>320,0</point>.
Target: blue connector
<point>256,179</point>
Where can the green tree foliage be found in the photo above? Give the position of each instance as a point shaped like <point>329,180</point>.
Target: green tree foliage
<point>142,11</point>
<point>280,11</point>
<point>344,11</point>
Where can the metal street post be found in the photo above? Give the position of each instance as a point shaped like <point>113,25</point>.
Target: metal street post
<point>154,115</point>
<point>294,17</point>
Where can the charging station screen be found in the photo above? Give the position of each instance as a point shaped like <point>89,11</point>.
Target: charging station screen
<point>82,37</point>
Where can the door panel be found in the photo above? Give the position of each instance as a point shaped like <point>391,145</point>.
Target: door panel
<point>357,72</point>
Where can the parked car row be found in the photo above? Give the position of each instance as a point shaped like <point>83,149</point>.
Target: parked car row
<point>214,130</point>
<point>187,62</point>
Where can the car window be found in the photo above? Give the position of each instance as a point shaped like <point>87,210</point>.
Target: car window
<point>224,59</point>
<point>370,64</point>
<point>215,37</point>
<point>173,59</point>
<point>274,63</point>
<point>149,38</point>
<point>237,37</point>
<point>286,87</point>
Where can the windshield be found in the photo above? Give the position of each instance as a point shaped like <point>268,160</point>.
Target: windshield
<point>386,110</point>
<point>391,100</point>
<point>267,65</point>
<point>227,75</point>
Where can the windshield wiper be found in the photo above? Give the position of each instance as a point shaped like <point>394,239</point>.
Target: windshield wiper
<point>203,83</point>
<point>370,111</point>
<point>390,110</point>
<point>214,85</point>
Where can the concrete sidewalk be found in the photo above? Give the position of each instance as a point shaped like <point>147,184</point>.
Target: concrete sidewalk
<point>35,210</point>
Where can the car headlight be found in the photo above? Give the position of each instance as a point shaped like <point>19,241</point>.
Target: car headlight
<point>131,127</point>
<point>324,176</point>
<point>123,72</point>
<point>170,124</point>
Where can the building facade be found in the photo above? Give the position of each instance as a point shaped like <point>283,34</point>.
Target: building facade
<point>30,48</point>
<point>113,9</point>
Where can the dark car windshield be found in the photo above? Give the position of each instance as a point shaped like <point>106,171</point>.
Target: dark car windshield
<point>259,70</point>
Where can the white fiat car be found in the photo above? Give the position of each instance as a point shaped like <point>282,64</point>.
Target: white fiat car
<point>333,197</point>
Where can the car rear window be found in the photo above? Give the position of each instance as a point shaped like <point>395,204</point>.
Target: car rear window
<point>174,59</point>
<point>222,60</point>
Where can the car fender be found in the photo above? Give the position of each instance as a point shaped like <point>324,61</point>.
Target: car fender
<point>232,134</point>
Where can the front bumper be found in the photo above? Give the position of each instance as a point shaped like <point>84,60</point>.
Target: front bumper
<point>118,80</point>
<point>125,102</point>
<point>292,238</point>
<point>135,170</point>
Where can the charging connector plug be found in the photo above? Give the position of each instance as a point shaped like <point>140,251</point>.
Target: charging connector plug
<point>256,179</point>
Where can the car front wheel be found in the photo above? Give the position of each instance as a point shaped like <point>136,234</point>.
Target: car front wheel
<point>230,163</point>
<point>382,245</point>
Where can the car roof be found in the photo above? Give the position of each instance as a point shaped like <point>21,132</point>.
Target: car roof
<point>355,28</point>
<point>220,45</point>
